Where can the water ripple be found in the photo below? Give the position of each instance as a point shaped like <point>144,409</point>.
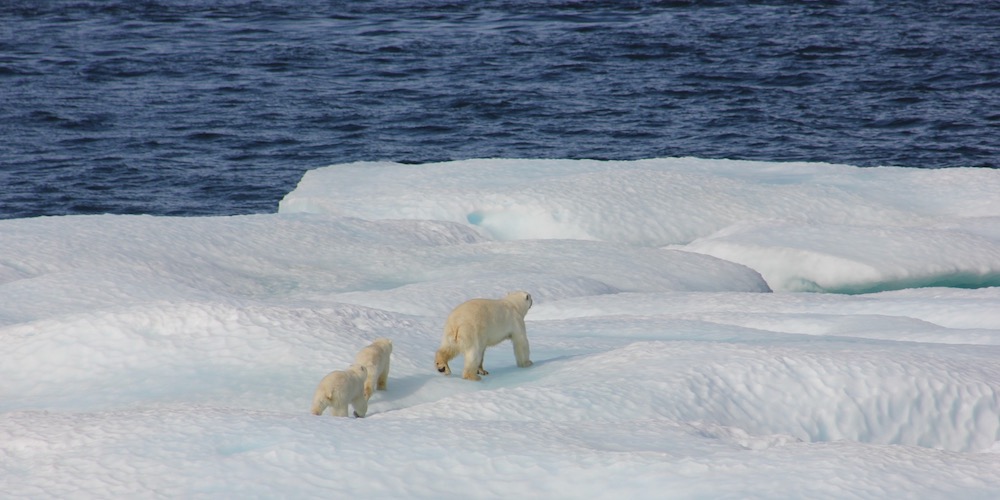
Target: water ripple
<point>218,108</point>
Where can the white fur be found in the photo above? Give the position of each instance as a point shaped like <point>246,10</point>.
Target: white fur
<point>375,357</point>
<point>480,323</point>
<point>339,388</point>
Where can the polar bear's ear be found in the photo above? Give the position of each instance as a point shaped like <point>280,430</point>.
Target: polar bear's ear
<point>527,296</point>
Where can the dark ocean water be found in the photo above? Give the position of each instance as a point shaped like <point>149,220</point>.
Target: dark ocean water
<point>182,107</point>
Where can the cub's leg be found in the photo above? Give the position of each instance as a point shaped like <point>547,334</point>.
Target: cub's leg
<point>368,385</point>
<point>383,379</point>
<point>338,409</point>
<point>319,406</point>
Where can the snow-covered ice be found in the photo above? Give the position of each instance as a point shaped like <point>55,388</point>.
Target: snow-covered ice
<point>701,329</point>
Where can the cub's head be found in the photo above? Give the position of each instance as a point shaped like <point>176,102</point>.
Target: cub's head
<point>521,299</point>
<point>383,343</point>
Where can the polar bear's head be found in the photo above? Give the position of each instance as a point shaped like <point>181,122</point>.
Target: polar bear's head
<point>383,343</point>
<point>521,300</point>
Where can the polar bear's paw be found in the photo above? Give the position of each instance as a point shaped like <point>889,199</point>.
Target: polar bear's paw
<point>441,358</point>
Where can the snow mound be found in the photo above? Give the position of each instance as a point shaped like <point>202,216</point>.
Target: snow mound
<point>177,357</point>
<point>813,257</point>
<point>803,226</point>
<point>846,391</point>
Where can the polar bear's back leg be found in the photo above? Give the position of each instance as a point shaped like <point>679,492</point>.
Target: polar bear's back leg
<point>444,354</point>
<point>383,377</point>
<point>319,406</point>
<point>473,362</point>
<point>474,351</point>
<point>338,409</point>
<point>322,399</point>
<point>370,383</point>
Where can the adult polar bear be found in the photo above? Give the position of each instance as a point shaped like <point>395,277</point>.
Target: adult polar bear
<point>480,323</point>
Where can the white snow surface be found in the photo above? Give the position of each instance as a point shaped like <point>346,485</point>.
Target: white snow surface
<point>701,329</point>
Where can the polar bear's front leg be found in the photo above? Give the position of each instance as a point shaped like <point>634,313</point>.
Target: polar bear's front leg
<point>521,351</point>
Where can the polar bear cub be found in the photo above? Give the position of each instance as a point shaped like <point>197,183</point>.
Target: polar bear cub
<point>375,357</point>
<point>480,323</point>
<point>340,387</point>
